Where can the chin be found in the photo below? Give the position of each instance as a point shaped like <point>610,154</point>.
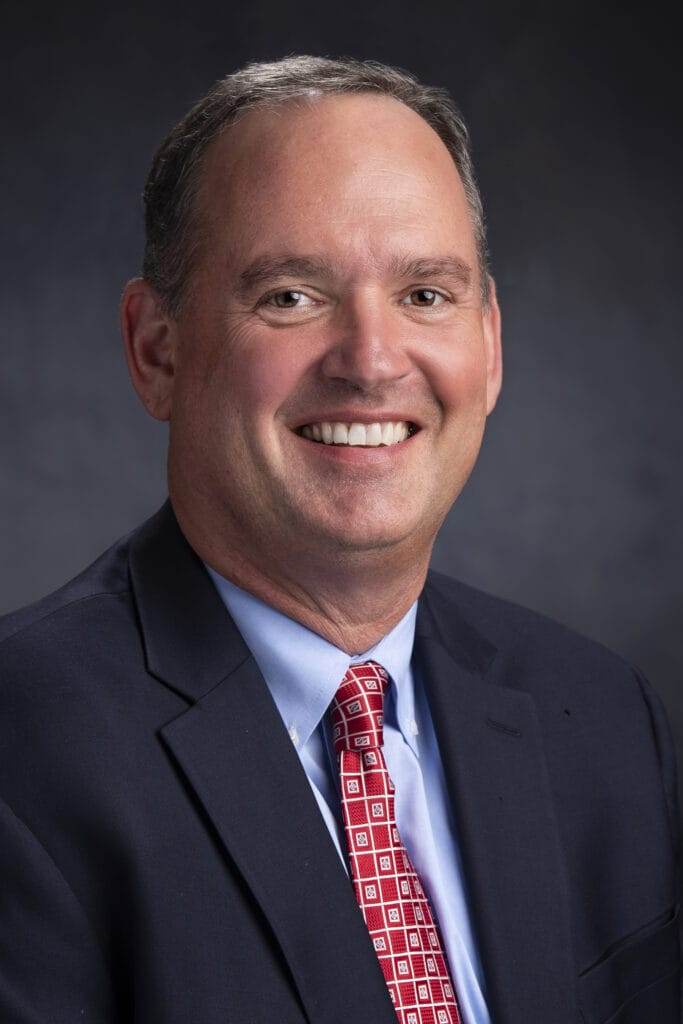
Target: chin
<point>367,536</point>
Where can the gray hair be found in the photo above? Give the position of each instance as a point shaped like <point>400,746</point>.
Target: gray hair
<point>172,239</point>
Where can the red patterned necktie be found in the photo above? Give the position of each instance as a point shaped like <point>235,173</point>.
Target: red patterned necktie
<point>387,887</point>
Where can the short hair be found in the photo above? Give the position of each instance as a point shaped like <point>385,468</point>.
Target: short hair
<point>172,237</point>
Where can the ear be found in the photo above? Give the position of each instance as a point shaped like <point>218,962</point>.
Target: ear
<point>150,342</point>
<point>494,350</point>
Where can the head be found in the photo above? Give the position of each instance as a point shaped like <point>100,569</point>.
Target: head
<point>316,255</point>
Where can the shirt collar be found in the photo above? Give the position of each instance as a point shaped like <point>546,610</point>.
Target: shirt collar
<point>303,670</point>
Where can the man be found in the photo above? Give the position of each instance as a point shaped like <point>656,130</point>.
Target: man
<point>259,764</point>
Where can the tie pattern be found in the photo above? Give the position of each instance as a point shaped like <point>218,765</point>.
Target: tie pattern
<point>389,892</point>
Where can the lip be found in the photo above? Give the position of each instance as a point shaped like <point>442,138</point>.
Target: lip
<point>351,416</point>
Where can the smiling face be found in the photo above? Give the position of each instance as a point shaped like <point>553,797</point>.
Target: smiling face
<point>336,287</point>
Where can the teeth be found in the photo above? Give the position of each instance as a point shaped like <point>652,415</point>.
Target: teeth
<point>387,433</point>
<point>356,434</point>
<point>373,434</point>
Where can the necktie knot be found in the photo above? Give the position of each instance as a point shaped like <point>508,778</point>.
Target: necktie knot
<point>357,710</point>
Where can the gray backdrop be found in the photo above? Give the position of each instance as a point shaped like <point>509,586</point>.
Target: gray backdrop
<point>574,507</point>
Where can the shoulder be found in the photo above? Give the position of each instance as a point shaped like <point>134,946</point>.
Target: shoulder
<point>592,703</point>
<point>532,649</point>
<point>72,684</point>
<point>80,614</point>
<point>570,677</point>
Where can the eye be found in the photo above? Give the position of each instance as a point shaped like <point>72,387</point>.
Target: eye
<point>426,298</point>
<point>288,298</point>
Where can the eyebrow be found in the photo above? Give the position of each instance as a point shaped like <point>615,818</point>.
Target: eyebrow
<point>432,266</point>
<point>268,268</point>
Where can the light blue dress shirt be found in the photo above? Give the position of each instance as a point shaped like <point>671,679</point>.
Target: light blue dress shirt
<point>303,671</point>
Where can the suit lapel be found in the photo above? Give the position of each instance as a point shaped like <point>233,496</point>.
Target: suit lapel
<point>497,778</point>
<point>234,750</point>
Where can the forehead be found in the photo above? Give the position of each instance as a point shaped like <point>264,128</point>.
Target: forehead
<point>333,171</point>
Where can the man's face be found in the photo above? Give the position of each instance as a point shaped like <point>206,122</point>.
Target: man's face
<point>337,283</point>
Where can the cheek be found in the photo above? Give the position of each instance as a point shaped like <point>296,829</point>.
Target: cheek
<point>456,369</point>
<point>258,372</point>
<point>268,376</point>
<point>262,376</point>
<point>236,372</point>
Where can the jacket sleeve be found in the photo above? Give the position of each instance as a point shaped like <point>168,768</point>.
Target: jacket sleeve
<point>666,753</point>
<point>52,970</point>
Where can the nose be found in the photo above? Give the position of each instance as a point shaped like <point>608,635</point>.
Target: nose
<point>367,348</point>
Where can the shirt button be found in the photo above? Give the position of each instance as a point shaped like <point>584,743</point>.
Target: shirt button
<point>294,735</point>
<point>413,728</point>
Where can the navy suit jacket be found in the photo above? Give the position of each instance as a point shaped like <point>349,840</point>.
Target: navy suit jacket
<point>163,859</point>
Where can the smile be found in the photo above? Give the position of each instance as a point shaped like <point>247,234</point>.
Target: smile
<point>359,435</point>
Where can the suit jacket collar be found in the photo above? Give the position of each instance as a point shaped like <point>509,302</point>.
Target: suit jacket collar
<point>233,748</point>
<point>190,641</point>
<point>181,614</point>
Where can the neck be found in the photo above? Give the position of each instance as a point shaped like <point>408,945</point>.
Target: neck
<point>350,598</point>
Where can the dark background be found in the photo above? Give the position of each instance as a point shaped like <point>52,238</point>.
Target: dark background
<point>574,508</point>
